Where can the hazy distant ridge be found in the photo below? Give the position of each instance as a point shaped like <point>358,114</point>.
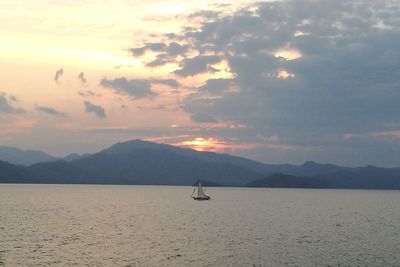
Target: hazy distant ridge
<point>23,157</point>
<point>18,156</point>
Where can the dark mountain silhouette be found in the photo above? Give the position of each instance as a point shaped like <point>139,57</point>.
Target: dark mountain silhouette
<point>207,183</point>
<point>23,157</point>
<point>142,162</point>
<point>360,178</point>
<point>10,173</point>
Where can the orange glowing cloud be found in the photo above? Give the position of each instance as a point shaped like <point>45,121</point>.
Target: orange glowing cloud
<point>213,145</point>
<point>201,144</point>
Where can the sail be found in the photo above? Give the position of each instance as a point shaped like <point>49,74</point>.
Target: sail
<point>200,192</point>
<point>194,189</point>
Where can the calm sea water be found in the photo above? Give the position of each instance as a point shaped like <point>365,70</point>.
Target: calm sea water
<point>66,225</point>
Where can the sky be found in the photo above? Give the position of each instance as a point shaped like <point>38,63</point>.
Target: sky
<point>274,81</point>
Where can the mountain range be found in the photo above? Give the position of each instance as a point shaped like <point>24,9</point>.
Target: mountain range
<point>142,162</point>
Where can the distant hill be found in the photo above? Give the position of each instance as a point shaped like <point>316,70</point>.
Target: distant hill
<point>23,157</point>
<point>360,178</point>
<point>74,156</point>
<point>142,162</point>
<point>207,183</point>
<point>10,173</point>
<point>18,156</point>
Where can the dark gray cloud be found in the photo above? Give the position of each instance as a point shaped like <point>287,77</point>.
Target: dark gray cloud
<point>202,118</point>
<point>6,106</point>
<point>156,47</point>
<point>346,79</point>
<point>136,88</point>
<point>167,52</point>
<point>171,49</point>
<point>58,75</point>
<point>96,109</point>
<point>197,65</point>
<point>215,86</point>
<point>51,111</point>
<point>82,77</point>
<point>160,60</point>
<point>170,82</point>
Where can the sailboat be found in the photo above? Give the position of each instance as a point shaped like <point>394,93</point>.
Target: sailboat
<point>201,193</point>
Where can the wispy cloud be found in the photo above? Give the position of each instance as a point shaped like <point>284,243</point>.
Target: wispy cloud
<point>58,75</point>
<point>6,106</point>
<point>82,77</point>
<point>51,111</point>
<point>98,110</point>
<point>88,93</point>
<point>137,88</point>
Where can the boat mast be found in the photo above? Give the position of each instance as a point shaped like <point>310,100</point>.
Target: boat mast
<point>199,190</point>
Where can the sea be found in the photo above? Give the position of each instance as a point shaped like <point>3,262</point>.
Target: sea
<point>103,225</point>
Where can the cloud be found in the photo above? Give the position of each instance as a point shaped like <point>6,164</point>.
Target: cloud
<point>345,59</point>
<point>215,86</point>
<point>197,65</point>
<point>202,118</point>
<point>51,111</point>
<point>96,109</point>
<point>88,93</point>
<point>136,88</point>
<point>148,46</point>
<point>58,75</point>
<point>6,106</point>
<point>167,53</point>
<point>12,98</point>
<point>82,77</point>
<point>343,78</point>
<point>170,82</point>
<point>172,49</point>
<point>172,107</point>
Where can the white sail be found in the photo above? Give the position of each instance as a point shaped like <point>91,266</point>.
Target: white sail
<point>194,190</point>
<point>200,190</point>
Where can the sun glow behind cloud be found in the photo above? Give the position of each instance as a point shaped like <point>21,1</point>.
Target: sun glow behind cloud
<point>201,144</point>
<point>216,145</point>
<point>288,54</point>
<point>284,74</point>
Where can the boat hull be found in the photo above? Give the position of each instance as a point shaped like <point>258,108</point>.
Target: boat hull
<point>202,198</point>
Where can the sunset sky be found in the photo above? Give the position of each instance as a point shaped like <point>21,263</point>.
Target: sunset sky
<point>278,82</point>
